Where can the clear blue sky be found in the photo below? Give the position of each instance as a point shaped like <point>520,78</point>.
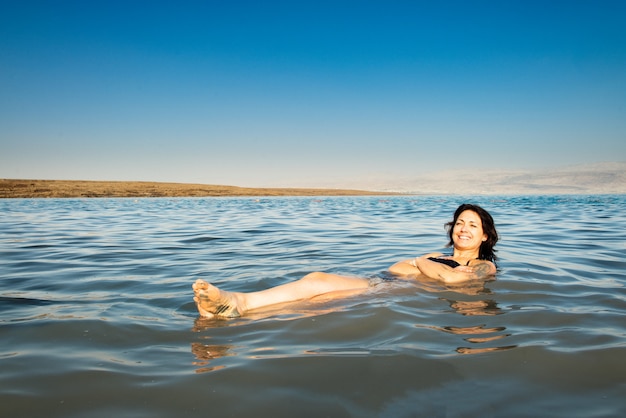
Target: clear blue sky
<point>257,93</point>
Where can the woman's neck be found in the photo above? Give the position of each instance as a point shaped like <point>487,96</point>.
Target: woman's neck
<point>465,255</point>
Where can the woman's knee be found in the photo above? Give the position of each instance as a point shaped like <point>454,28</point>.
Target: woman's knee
<point>316,276</point>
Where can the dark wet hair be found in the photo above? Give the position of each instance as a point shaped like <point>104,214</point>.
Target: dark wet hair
<point>486,251</point>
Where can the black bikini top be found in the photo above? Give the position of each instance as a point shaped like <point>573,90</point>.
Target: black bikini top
<point>447,261</point>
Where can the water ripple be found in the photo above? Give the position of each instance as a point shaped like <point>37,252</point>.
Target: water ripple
<point>96,303</point>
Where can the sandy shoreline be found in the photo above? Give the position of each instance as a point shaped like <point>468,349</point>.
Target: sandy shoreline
<point>10,188</point>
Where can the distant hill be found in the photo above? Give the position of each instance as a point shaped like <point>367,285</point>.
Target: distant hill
<point>601,178</point>
<point>69,188</point>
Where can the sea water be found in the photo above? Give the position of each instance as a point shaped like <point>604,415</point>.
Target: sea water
<point>97,317</point>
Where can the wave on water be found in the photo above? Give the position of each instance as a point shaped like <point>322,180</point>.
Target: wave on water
<point>98,318</point>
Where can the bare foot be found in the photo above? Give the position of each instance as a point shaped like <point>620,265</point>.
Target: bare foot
<point>212,301</point>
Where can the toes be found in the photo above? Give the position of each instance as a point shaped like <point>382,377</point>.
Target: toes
<point>202,312</point>
<point>202,289</point>
<point>200,285</point>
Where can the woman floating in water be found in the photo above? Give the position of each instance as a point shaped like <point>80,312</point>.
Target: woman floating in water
<point>472,236</point>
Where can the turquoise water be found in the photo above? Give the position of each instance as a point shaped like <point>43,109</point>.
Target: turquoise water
<point>97,317</point>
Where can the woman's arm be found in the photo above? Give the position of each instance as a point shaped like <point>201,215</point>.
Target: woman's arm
<point>405,268</point>
<point>409,267</point>
<point>479,269</point>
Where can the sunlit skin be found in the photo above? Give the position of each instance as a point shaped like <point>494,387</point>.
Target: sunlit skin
<point>467,236</point>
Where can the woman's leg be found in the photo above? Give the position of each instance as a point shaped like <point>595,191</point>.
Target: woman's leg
<point>212,301</point>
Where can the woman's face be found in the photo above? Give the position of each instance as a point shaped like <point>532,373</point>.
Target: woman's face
<point>467,232</point>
